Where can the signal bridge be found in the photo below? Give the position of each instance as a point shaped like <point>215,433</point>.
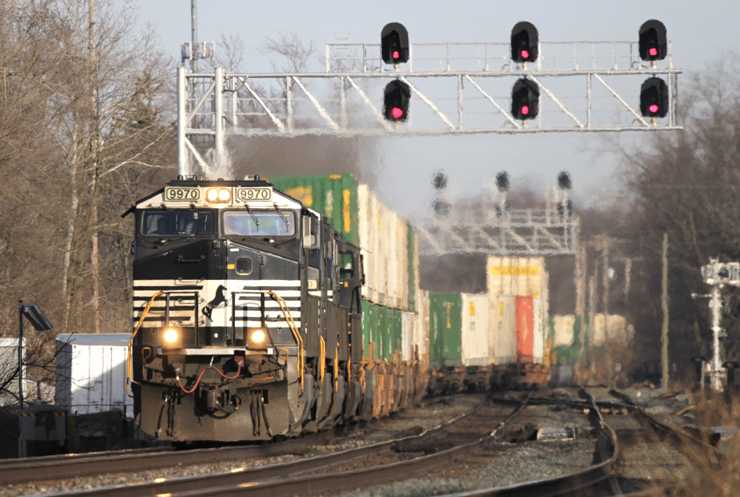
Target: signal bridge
<point>456,88</point>
<point>497,230</point>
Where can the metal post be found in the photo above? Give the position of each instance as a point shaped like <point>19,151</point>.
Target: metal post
<point>289,103</point>
<point>218,114</point>
<point>194,34</point>
<point>20,354</point>
<point>183,168</point>
<point>460,102</point>
<point>588,101</point>
<point>715,305</point>
<point>343,121</point>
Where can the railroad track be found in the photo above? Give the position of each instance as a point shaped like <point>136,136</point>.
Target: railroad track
<point>15,471</point>
<point>580,483</point>
<point>280,479</point>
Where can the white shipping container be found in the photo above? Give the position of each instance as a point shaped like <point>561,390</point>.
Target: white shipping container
<point>539,331</point>
<point>618,330</point>
<point>408,331</point>
<point>475,329</point>
<point>9,369</point>
<point>383,237</point>
<point>91,373</point>
<point>502,316</point>
<point>525,276</point>
<point>563,330</point>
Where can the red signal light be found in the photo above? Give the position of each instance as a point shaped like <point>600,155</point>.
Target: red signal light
<point>653,109</point>
<point>396,55</point>
<point>653,51</point>
<point>525,54</point>
<point>397,113</point>
<point>525,110</point>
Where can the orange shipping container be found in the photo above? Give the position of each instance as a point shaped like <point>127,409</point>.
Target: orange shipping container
<point>524,329</point>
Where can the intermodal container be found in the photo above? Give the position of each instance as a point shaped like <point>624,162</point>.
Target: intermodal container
<point>616,331</point>
<point>563,330</point>
<point>445,329</point>
<point>389,244</point>
<point>525,276</point>
<point>568,331</point>
<point>422,339</point>
<point>502,338</point>
<point>524,329</point>
<point>475,329</point>
<point>539,332</point>
<point>409,342</point>
<point>333,195</point>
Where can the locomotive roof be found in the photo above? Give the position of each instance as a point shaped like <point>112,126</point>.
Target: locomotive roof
<point>196,182</point>
<point>218,182</point>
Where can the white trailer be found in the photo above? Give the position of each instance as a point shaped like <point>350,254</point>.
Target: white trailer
<point>91,373</point>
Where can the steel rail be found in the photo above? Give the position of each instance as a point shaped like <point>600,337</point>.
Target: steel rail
<point>59,467</point>
<point>682,438</point>
<point>242,484</point>
<point>70,466</point>
<point>572,484</point>
<point>242,476</point>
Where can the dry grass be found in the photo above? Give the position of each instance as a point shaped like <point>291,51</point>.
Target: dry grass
<point>706,471</point>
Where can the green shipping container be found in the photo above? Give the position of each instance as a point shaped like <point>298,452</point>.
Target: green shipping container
<point>333,195</point>
<point>384,327</point>
<point>367,325</point>
<point>337,196</point>
<point>445,329</point>
<point>396,332</point>
<point>570,355</point>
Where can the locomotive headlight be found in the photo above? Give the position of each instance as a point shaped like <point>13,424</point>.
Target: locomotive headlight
<point>258,336</point>
<point>218,195</point>
<point>171,335</point>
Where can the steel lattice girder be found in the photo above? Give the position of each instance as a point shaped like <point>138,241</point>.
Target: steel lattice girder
<point>519,232</point>
<point>214,105</point>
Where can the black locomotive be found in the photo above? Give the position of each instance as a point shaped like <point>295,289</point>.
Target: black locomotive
<point>247,315</point>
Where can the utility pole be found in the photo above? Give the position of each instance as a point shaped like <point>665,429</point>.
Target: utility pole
<point>591,316</point>
<point>93,130</point>
<point>664,306</point>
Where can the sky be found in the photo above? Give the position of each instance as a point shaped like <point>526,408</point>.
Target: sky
<point>697,29</point>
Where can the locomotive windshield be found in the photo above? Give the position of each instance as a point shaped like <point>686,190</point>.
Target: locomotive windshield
<point>259,223</point>
<point>177,223</point>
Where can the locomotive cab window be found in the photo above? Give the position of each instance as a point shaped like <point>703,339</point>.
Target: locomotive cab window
<point>346,267</point>
<point>259,223</point>
<point>176,223</point>
<point>244,265</point>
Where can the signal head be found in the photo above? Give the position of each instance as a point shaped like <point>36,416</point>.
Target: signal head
<point>439,180</point>
<point>394,43</point>
<point>502,181</point>
<point>653,44</point>
<point>525,99</point>
<point>654,98</point>
<point>564,181</point>
<point>396,99</point>
<point>524,42</point>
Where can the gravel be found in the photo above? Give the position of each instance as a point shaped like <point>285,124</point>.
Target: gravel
<point>415,419</point>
